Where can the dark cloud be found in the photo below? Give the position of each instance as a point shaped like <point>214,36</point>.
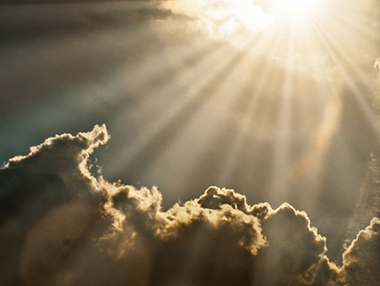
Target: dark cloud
<point>26,23</point>
<point>60,225</point>
<point>362,260</point>
<point>59,246</point>
<point>53,174</point>
<point>56,29</point>
<point>25,197</point>
<point>64,1</point>
<point>66,156</point>
<point>294,248</point>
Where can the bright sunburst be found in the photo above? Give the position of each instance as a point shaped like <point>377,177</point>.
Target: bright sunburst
<point>277,99</point>
<point>223,18</point>
<point>299,7</point>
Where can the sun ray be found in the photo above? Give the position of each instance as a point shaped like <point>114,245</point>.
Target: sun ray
<point>296,7</point>
<point>191,77</point>
<point>152,130</point>
<point>180,114</point>
<point>353,76</point>
<point>353,23</point>
<point>210,116</point>
<point>306,168</point>
<point>283,135</point>
<point>246,121</point>
<point>197,96</point>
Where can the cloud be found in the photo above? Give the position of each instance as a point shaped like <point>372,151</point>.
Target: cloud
<point>220,18</point>
<point>52,175</point>
<point>64,1</point>
<point>295,248</point>
<point>361,259</point>
<point>376,64</point>
<point>66,156</point>
<point>60,225</point>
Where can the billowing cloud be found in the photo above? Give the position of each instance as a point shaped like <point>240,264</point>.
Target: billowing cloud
<point>361,259</point>
<point>66,156</point>
<point>295,248</point>
<point>52,176</point>
<point>60,225</point>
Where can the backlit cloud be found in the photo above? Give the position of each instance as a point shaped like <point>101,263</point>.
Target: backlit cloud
<point>376,65</point>
<point>361,259</point>
<point>221,18</point>
<point>60,225</point>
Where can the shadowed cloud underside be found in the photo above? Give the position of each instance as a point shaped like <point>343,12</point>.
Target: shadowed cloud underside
<point>61,225</point>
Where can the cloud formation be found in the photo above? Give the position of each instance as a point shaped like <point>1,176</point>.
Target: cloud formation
<point>376,64</point>
<point>60,225</point>
<point>220,18</point>
<point>361,259</point>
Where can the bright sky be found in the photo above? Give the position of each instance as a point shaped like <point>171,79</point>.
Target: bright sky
<point>277,100</point>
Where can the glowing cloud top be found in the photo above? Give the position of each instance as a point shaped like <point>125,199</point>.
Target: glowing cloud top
<point>221,18</point>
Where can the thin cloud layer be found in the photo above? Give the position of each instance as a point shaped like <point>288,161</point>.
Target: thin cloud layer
<point>60,225</point>
<point>376,64</point>
<point>220,18</point>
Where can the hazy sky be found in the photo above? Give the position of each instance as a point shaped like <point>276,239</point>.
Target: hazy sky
<point>259,118</point>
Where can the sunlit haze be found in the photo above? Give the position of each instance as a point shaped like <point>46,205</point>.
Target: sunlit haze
<point>190,142</point>
<point>297,7</point>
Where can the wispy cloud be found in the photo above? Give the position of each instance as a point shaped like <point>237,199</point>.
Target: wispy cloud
<point>221,18</point>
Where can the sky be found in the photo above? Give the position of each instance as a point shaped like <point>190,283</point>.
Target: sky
<point>189,142</point>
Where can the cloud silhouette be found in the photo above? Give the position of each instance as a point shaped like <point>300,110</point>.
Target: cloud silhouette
<point>53,174</point>
<point>361,259</point>
<point>61,225</point>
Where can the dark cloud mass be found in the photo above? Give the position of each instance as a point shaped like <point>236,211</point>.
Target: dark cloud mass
<point>361,259</point>
<point>61,225</point>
